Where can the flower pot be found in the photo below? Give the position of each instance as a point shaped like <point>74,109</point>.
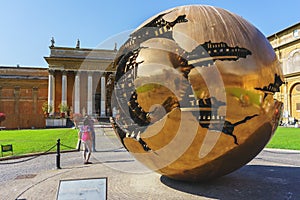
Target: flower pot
<point>63,115</point>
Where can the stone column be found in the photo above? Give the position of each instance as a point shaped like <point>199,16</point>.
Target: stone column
<point>90,94</point>
<point>103,97</point>
<point>284,92</point>
<point>64,88</point>
<point>286,103</point>
<point>77,93</point>
<point>51,90</point>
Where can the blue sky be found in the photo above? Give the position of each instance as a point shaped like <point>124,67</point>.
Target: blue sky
<point>27,26</point>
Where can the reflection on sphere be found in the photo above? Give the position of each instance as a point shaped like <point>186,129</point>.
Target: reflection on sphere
<point>194,93</point>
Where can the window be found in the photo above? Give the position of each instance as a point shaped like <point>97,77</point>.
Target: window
<point>293,61</point>
<point>296,33</point>
<point>298,88</point>
<point>296,61</point>
<point>298,106</point>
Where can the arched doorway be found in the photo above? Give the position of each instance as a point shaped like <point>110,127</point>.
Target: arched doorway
<point>295,101</point>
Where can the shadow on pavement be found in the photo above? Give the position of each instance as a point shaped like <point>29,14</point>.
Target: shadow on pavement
<point>249,182</point>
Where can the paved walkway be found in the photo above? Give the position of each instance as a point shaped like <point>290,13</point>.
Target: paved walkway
<point>273,174</point>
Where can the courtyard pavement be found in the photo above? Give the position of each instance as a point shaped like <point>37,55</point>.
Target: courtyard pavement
<point>273,174</point>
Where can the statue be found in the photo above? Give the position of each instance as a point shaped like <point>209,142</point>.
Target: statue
<point>78,44</point>
<point>194,90</point>
<point>115,48</point>
<point>52,42</point>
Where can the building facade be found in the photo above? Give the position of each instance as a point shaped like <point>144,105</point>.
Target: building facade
<point>23,90</point>
<point>80,78</point>
<point>286,44</point>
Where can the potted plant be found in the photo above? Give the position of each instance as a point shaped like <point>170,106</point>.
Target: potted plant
<point>63,108</point>
<point>46,109</point>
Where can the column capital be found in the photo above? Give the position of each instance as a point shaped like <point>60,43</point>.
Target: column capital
<point>90,73</point>
<point>64,72</point>
<point>51,71</point>
<point>77,73</point>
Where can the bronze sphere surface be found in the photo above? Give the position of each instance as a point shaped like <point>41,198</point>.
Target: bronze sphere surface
<point>194,92</point>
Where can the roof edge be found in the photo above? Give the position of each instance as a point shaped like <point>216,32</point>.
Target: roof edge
<point>23,67</point>
<point>281,31</point>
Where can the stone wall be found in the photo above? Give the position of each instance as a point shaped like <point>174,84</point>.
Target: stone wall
<point>23,90</point>
<point>286,44</point>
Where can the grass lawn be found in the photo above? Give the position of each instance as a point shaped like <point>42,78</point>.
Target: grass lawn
<point>286,138</point>
<point>40,140</point>
<point>37,140</point>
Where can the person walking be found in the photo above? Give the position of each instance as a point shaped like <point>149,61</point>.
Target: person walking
<point>86,139</point>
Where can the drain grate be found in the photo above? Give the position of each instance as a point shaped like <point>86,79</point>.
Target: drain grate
<point>25,176</point>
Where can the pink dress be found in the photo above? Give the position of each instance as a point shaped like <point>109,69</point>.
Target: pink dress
<point>85,133</point>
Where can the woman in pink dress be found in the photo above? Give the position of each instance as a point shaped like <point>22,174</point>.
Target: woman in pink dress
<point>86,139</point>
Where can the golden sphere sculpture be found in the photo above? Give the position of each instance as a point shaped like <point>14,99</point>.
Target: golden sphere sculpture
<point>194,93</point>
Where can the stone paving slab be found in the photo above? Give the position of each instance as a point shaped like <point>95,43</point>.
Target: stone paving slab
<point>258,180</point>
<point>273,174</point>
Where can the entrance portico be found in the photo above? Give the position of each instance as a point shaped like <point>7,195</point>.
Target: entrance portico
<point>78,79</point>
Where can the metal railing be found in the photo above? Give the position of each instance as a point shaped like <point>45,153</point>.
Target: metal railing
<point>58,152</point>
